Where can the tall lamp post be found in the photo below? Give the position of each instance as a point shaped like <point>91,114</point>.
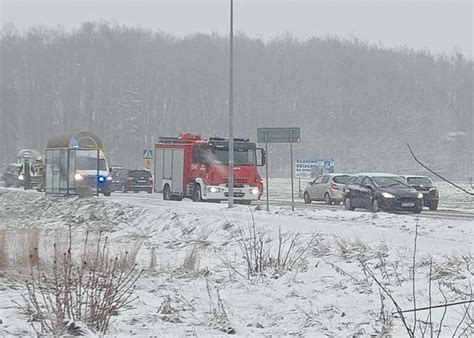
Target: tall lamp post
<point>231,108</point>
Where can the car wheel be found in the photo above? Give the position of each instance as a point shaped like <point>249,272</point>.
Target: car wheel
<point>375,205</point>
<point>135,191</point>
<point>348,204</point>
<point>433,206</point>
<point>149,191</point>
<point>197,194</point>
<point>327,199</point>
<point>124,189</point>
<point>307,200</point>
<point>166,193</point>
<point>107,193</point>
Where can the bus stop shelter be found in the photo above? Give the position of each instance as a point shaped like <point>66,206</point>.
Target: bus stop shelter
<point>69,155</point>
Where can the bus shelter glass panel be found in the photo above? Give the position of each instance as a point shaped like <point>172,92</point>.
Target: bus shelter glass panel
<point>72,171</point>
<point>56,171</point>
<point>63,171</point>
<point>48,184</point>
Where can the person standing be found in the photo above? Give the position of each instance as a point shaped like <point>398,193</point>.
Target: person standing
<point>40,173</point>
<point>27,171</point>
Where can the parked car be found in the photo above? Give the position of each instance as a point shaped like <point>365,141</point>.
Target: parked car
<point>10,175</point>
<point>425,185</point>
<point>114,169</point>
<point>327,188</point>
<point>376,191</point>
<point>132,180</point>
<point>13,178</point>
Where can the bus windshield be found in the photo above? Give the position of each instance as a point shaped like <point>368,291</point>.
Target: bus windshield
<point>90,163</point>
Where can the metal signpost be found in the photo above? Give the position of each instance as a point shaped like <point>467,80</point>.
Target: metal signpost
<point>279,135</point>
<point>231,108</point>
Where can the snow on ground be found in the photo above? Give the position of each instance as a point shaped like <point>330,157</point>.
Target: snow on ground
<point>327,293</point>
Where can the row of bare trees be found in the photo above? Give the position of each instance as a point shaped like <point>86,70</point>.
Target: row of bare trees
<point>355,102</point>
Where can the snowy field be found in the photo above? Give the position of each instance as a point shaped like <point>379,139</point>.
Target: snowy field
<point>192,256</point>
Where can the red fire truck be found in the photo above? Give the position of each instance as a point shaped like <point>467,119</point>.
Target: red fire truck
<point>194,167</point>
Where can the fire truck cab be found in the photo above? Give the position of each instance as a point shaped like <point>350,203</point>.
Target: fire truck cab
<point>194,167</point>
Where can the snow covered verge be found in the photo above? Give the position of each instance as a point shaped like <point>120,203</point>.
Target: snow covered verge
<point>193,253</point>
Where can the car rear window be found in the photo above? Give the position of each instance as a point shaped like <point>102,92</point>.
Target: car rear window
<point>388,182</point>
<point>139,173</point>
<point>420,181</point>
<point>341,179</point>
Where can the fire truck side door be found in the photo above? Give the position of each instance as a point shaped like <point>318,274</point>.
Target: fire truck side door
<point>177,171</point>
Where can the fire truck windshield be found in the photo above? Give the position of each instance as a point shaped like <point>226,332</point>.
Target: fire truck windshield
<point>242,156</point>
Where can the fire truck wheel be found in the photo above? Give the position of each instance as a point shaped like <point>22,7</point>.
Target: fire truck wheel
<point>166,193</point>
<point>197,194</point>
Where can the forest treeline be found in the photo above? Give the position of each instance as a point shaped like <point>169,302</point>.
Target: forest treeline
<point>355,102</point>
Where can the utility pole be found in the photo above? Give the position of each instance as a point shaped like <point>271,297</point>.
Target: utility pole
<point>231,108</point>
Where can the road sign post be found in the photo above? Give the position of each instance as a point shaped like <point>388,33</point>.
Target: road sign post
<point>266,170</point>
<point>291,166</point>
<point>279,135</point>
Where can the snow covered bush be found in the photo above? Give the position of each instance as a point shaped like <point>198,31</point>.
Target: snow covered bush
<point>76,292</point>
<point>261,251</point>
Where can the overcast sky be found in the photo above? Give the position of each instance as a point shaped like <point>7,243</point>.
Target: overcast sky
<point>438,26</point>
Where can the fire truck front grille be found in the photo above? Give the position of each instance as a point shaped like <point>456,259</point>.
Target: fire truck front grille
<point>236,185</point>
<point>236,194</point>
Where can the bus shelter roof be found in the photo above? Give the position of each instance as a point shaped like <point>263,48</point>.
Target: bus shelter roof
<point>79,140</point>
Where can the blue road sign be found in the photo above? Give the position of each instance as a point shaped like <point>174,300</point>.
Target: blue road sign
<point>148,153</point>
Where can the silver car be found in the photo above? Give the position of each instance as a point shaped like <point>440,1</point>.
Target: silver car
<point>327,188</point>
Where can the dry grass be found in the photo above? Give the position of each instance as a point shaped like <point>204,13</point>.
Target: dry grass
<point>19,249</point>
<point>217,317</point>
<point>3,250</point>
<point>261,251</point>
<point>192,259</point>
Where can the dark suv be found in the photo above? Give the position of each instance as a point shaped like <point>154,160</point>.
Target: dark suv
<point>10,175</point>
<point>425,185</point>
<point>386,192</point>
<point>132,180</point>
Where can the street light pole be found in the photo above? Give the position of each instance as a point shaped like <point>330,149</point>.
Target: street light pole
<point>231,108</point>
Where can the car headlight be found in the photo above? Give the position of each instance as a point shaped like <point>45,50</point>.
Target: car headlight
<point>214,189</point>
<point>21,177</point>
<point>387,195</point>
<point>420,195</point>
<point>254,191</point>
<point>78,177</point>
<point>109,178</point>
